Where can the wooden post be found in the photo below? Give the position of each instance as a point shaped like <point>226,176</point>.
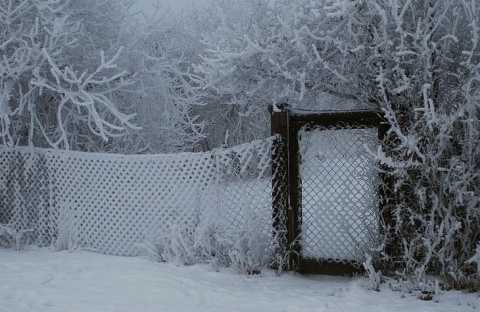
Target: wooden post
<point>294,214</point>
<point>280,177</point>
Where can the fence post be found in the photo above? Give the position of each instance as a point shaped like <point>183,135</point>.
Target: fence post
<point>279,118</point>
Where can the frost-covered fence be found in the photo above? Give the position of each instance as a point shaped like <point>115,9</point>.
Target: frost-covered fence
<point>340,201</point>
<point>215,206</point>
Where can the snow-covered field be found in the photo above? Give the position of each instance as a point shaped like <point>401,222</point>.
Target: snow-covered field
<point>42,280</point>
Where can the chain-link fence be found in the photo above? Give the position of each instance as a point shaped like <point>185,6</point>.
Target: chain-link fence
<point>24,199</point>
<point>187,206</point>
<point>339,186</point>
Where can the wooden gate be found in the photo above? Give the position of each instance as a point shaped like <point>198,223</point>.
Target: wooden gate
<point>330,190</point>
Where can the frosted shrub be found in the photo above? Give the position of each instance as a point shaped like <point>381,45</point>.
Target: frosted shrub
<point>9,237</point>
<point>213,241</point>
<point>248,250</point>
<point>418,62</point>
<point>415,61</point>
<point>175,245</point>
<point>375,278</point>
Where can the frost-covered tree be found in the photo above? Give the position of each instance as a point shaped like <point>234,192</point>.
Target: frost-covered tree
<point>163,94</point>
<point>234,116</point>
<point>259,54</point>
<point>74,74</point>
<point>245,52</point>
<point>168,98</point>
<point>42,93</point>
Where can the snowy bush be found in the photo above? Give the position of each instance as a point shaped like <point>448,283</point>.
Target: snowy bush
<point>11,238</point>
<point>375,278</point>
<point>249,249</point>
<point>415,61</point>
<point>7,236</point>
<point>428,90</point>
<point>476,259</point>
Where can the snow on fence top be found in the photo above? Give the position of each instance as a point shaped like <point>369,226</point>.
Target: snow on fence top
<point>183,205</point>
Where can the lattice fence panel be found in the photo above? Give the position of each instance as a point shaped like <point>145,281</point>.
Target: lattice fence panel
<point>114,203</point>
<point>339,192</point>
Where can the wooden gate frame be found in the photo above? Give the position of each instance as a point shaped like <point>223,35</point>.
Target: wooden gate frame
<point>287,194</point>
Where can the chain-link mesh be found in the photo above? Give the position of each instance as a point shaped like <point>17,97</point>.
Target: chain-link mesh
<point>24,195</point>
<point>114,203</point>
<point>339,192</point>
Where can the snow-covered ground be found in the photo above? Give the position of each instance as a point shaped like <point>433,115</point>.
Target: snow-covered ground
<point>42,280</point>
